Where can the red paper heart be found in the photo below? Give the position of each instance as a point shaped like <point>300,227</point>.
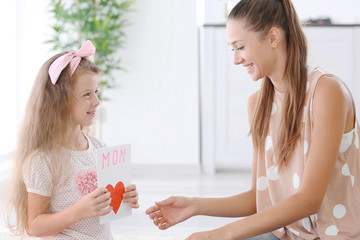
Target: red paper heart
<point>116,195</point>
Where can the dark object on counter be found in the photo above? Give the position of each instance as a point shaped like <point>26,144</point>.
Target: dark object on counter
<point>319,22</point>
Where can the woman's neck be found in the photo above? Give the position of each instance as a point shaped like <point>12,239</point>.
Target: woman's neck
<point>279,65</point>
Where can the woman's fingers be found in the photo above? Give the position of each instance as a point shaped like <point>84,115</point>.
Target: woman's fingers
<point>152,209</point>
<point>164,226</point>
<point>157,214</point>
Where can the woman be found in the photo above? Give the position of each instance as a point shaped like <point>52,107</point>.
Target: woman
<point>306,167</point>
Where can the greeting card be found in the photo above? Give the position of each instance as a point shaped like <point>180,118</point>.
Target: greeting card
<point>114,173</point>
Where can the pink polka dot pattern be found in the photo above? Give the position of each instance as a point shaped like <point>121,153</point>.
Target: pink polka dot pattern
<point>77,178</point>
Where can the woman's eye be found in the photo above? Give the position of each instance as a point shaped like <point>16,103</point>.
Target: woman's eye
<point>86,94</point>
<point>237,48</point>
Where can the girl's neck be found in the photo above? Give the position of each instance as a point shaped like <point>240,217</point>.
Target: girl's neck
<point>77,140</point>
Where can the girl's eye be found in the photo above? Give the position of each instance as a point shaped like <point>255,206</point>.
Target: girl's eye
<point>86,94</point>
<point>96,92</point>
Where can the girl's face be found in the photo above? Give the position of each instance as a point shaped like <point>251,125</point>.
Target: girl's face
<point>251,49</point>
<point>85,98</point>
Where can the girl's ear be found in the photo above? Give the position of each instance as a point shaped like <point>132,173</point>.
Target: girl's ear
<point>274,37</point>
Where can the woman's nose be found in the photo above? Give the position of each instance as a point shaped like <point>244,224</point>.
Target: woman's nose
<point>237,59</point>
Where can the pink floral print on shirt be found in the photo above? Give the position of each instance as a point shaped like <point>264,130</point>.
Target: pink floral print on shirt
<point>86,181</point>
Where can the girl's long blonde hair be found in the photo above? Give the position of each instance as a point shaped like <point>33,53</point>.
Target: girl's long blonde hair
<point>260,16</point>
<point>44,129</point>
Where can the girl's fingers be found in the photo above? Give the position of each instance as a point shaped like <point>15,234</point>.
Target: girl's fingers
<point>131,187</point>
<point>98,192</point>
<point>131,200</point>
<point>102,198</point>
<point>104,204</point>
<point>130,194</point>
<point>104,212</point>
<point>135,205</point>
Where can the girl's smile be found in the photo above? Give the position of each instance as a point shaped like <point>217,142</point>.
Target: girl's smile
<point>86,100</point>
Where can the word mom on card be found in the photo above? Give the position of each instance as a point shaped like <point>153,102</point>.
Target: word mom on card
<point>114,172</point>
<point>113,157</point>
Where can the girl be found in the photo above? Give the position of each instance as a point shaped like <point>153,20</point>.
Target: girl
<point>306,166</point>
<point>54,193</point>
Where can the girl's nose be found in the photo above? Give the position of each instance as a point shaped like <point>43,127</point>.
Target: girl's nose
<point>96,101</point>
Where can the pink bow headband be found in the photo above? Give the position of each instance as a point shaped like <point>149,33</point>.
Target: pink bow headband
<point>86,50</point>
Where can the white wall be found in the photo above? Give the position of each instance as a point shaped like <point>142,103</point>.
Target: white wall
<point>31,52</point>
<point>156,106</point>
<point>24,29</point>
<point>8,79</point>
<point>341,12</point>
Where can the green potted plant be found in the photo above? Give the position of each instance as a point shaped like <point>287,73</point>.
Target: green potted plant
<point>102,22</point>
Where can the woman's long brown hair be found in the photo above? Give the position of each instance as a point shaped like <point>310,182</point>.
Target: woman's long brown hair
<point>260,16</point>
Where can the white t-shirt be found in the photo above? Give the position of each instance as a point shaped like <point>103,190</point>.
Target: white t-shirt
<point>78,179</point>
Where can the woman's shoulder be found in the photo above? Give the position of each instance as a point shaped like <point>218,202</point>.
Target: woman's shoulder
<point>330,92</point>
<point>252,103</point>
<point>253,99</point>
<point>330,85</point>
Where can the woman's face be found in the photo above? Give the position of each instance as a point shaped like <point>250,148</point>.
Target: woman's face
<point>251,49</point>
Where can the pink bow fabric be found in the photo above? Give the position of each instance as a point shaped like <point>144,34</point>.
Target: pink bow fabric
<point>86,50</point>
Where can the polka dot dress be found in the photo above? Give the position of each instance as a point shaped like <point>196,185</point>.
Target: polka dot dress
<point>339,215</point>
<point>78,179</point>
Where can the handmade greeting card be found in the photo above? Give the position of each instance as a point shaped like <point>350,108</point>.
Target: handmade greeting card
<point>113,172</point>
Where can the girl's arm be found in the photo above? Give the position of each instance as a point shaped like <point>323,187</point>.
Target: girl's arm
<point>41,223</point>
<point>332,115</point>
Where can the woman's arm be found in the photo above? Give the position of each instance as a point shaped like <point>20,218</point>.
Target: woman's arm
<point>331,108</point>
<point>41,223</point>
<point>240,205</point>
<point>177,209</point>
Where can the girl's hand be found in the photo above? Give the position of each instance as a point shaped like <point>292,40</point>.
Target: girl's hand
<point>131,196</point>
<point>93,204</point>
<point>171,211</point>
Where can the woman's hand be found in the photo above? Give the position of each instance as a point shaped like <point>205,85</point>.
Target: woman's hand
<point>93,204</point>
<point>215,234</point>
<point>131,196</point>
<point>171,211</point>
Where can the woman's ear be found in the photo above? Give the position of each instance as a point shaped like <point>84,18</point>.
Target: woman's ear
<point>274,37</point>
